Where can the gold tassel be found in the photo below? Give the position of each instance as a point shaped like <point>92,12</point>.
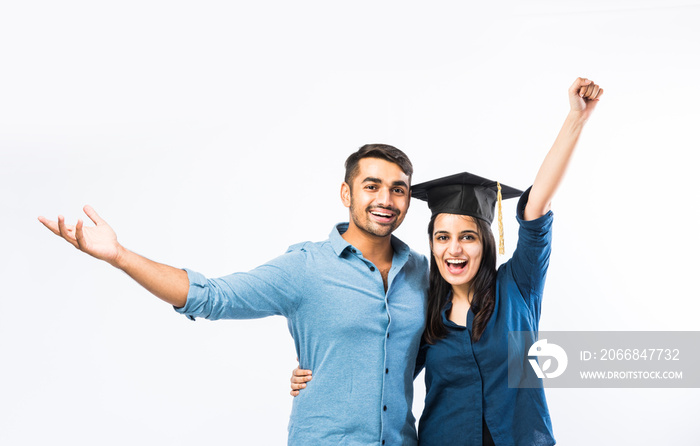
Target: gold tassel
<point>501,240</point>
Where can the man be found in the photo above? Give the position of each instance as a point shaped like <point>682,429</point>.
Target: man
<point>355,304</point>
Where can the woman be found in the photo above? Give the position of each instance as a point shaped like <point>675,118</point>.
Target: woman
<point>472,306</point>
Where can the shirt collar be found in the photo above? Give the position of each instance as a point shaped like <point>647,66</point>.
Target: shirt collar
<point>447,305</point>
<point>339,244</point>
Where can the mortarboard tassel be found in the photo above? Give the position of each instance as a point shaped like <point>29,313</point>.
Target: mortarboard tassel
<point>501,240</point>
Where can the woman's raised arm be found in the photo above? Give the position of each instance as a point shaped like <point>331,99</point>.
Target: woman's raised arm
<point>584,94</point>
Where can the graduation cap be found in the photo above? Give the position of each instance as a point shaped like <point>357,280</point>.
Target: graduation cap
<point>466,194</point>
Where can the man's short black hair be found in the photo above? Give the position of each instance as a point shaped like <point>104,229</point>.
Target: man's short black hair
<point>381,151</point>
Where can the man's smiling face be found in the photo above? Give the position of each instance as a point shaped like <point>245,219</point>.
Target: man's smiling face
<point>379,196</point>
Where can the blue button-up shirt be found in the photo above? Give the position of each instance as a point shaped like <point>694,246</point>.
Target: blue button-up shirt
<point>360,342</point>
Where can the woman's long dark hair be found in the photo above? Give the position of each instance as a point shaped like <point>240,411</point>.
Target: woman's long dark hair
<point>484,286</point>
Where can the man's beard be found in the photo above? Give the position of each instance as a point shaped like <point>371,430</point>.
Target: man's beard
<point>364,222</point>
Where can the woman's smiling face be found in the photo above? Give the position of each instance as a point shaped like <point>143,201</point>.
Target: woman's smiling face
<point>456,246</point>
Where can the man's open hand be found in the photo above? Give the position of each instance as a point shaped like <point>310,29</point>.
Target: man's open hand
<point>100,241</point>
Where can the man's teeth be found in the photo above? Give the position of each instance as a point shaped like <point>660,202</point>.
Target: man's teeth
<point>456,262</point>
<point>379,214</point>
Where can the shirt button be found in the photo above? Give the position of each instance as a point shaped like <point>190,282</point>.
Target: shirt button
<point>353,250</point>
<point>387,335</point>
<point>384,408</point>
<point>386,371</point>
<point>383,441</point>
<point>371,268</point>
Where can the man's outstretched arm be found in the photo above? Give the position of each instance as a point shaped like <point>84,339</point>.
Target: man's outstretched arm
<point>165,282</point>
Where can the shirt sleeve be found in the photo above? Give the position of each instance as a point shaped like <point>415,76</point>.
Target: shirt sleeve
<point>530,260</point>
<point>420,358</point>
<point>274,288</point>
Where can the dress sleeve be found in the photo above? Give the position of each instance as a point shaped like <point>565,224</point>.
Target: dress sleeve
<point>274,288</point>
<point>530,260</point>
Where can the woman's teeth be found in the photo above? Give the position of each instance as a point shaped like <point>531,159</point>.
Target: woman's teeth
<point>456,265</point>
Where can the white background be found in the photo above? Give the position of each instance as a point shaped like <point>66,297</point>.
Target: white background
<point>212,135</point>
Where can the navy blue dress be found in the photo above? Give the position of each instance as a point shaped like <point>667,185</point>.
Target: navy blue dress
<point>467,383</point>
